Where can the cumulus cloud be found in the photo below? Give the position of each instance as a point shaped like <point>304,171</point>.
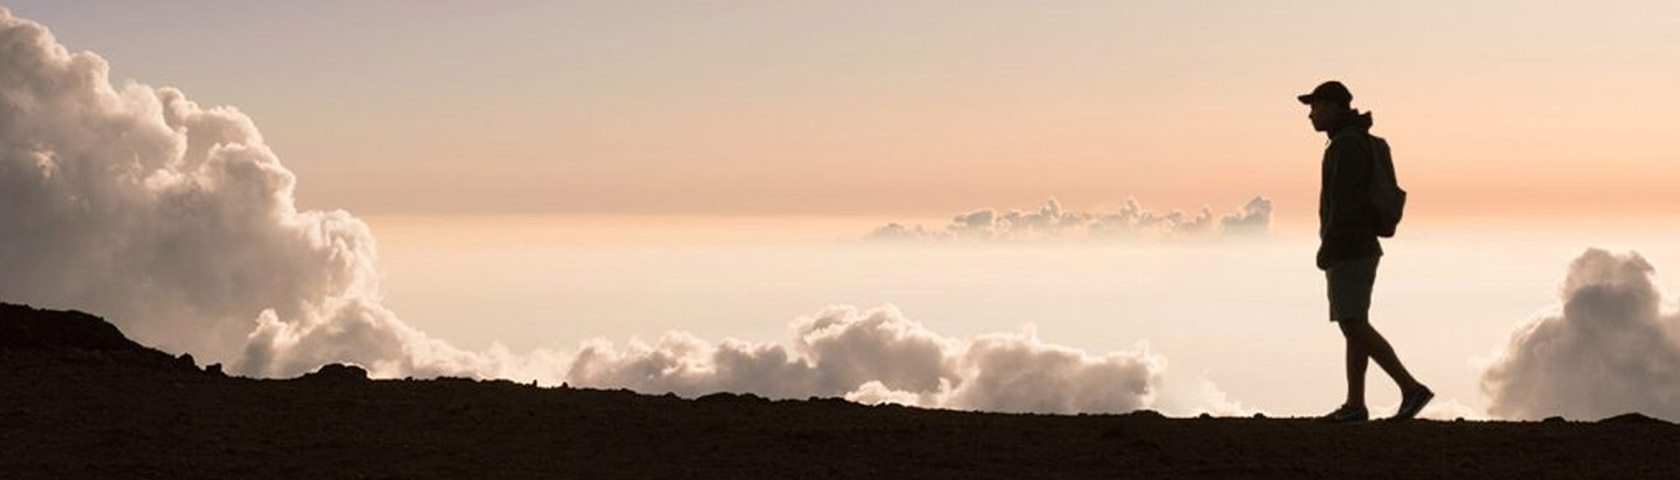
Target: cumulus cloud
<point>1608,347</point>
<point>877,356</point>
<point>1052,222</point>
<point>178,221</point>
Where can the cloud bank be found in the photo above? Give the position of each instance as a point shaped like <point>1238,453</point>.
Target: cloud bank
<point>880,356</point>
<point>178,222</point>
<point>1609,347</point>
<point>1052,222</point>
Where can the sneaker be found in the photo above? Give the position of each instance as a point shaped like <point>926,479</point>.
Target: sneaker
<point>1347,413</point>
<point>1412,402</point>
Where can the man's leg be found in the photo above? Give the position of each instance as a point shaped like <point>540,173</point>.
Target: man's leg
<point>1353,410</point>
<point>1360,332</point>
<point>1357,361</point>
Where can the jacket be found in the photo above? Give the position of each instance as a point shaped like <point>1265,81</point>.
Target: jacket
<point>1344,225</point>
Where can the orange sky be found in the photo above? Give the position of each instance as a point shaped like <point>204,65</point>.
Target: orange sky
<point>917,108</point>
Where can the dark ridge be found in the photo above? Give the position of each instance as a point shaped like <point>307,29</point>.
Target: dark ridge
<point>1633,418</point>
<point>22,326</point>
<point>79,401</point>
<point>75,336</point>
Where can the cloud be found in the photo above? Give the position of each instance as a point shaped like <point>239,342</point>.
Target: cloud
<point>178,221</point>
<point>878,355</point>
<point>1608,347</point>
<point>1255,217</point>
<point>1051,222</point>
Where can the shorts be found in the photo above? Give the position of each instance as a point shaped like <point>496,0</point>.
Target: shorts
<point>1350,285</point>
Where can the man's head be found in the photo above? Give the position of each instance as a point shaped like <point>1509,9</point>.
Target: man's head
<point>1329,101</point>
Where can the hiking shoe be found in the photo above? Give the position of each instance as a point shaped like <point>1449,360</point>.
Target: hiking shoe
<point>1347,413</point>
<point>1412,402</point>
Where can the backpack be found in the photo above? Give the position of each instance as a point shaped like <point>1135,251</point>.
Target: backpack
<point>1387,201</point>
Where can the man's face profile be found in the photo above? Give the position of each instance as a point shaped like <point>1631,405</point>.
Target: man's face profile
<point>1322,114</point>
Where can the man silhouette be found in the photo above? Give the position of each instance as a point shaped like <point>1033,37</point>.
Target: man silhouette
<point>1348,250</point>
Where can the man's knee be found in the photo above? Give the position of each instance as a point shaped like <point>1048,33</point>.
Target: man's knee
<point>1352,326</point>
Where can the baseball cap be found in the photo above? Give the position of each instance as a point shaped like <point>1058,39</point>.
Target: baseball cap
<point>1332,91</point>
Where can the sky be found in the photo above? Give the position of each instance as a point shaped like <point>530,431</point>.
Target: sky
<point>936,203</point>
<point>752,108</point>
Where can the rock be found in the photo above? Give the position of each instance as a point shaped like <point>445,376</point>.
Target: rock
<point>186,362</point>
<point>214,369</point>
<point>337,372</point>
<point>1145,413</point>
<point>829,401</point>
<point>1632,418</point>
<point>726,397</point>
<point>1554,419</point>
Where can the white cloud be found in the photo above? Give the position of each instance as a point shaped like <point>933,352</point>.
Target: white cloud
<point>876,393</point>
<point>880,356</point>
<point>1255,217</point>
<point>1051,222</point>
<point>1608,347</point>
<point>178,222</point>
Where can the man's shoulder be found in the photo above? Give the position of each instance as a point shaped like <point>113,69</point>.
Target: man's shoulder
<point>1352,141</point>
<point>1357,134</point>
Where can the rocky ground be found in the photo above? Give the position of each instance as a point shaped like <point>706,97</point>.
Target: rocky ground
<point>77,400</point>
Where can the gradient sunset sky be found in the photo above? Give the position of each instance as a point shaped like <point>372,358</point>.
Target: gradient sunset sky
<point>1508,109</point>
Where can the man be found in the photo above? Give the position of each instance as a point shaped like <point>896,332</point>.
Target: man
<point>1348,249</point>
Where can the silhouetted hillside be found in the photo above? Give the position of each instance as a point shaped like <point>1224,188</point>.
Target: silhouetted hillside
<point>25,327</point>
<point>78,400</point>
